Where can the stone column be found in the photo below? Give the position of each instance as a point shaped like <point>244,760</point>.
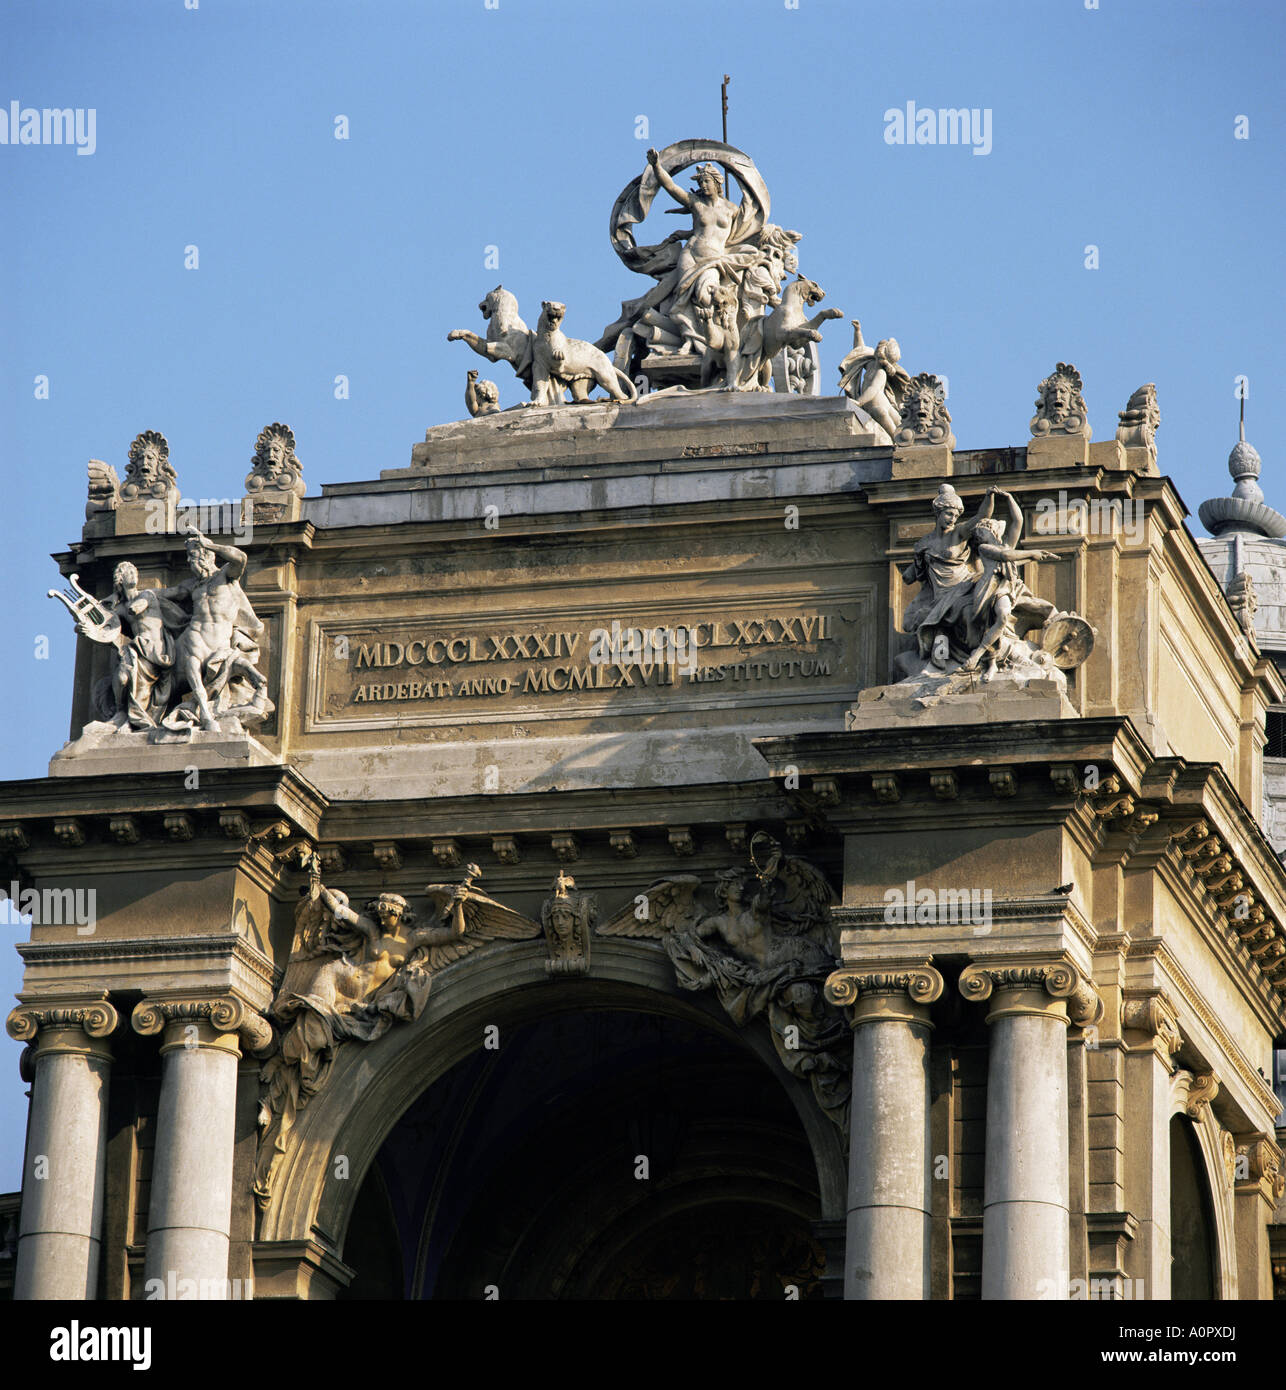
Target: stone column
<point>189,1219</point>
<point>889,1177</point>
<point>1025,1234</point>
<point>60,1228</point>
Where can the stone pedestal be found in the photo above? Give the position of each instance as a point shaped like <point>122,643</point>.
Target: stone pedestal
<point>1025,1219</point>
<point>62,1204</point>
<point>888,1231</point>
<point>953,703</point>
<point>189,1219</point>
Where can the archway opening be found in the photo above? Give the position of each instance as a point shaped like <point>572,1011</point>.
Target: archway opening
<point>606,1154</point>
<point>1192,1225</point>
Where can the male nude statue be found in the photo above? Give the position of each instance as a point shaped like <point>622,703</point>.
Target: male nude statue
<point>217,645</point>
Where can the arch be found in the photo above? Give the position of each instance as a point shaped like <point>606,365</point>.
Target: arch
<point>372,1085</point>
<point>1212,1143</point>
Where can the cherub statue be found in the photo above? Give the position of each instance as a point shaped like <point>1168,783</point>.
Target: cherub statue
<point>480,397</point>
<point>352,975</point>
<point>766,951</point>
<point>873,378</point>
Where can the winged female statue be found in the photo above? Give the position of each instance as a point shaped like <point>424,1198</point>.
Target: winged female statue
<point>766,951</point>
<point>352,975</point>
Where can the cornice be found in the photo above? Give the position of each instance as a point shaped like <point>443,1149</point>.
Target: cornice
<point>155,950</point>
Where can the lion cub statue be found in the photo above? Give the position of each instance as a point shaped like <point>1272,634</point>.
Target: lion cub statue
<point>560,363</point>
<point>723,337</point>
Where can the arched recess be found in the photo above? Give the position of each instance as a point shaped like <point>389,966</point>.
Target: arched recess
<point>1212,1143</point>
<point>372,1085</point>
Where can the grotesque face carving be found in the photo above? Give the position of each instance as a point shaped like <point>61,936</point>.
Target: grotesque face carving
<point>274,464</point>
<point>149,472</point>
<point>1058,399</point>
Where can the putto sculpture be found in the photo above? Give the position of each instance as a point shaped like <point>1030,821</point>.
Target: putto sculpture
<point>182,657</point>
<point>874,379</point>
<point>1060,406</point>
<point>480,397</point>
<point>766,952</point>
<point>973,610</point>
<point>352,975</point>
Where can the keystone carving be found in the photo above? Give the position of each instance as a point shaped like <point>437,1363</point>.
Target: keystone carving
<point>568,917</point>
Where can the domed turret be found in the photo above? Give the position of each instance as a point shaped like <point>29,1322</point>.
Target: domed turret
<point>1245,511</point>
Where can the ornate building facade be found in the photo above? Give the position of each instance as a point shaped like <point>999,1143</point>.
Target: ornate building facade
<point>716,840</point>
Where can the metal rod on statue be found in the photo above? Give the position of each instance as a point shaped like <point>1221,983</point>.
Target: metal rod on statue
<point>723,92</point>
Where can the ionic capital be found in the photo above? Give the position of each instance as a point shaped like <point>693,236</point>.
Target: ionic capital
<point>1057,980</point>
<point>1154,1015</point>
<point>92,1014</point>
<point>885,992</point>
<point>211,1016</point>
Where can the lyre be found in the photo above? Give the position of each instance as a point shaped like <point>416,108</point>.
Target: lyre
<point>97,622</point>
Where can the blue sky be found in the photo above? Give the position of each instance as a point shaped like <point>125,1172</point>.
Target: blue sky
<point>515,127</point>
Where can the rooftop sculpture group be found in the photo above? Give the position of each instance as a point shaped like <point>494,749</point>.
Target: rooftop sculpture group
<point>720,313</point>
<point>185,656</point>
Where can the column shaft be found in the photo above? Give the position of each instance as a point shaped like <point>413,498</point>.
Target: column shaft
<point>60,1227</point>
<point>1025,1243</point>
<point>189,1218</point>
<point>889,1162</point>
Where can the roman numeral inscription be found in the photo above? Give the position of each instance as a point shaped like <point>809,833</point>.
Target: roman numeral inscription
<point>407,665</point>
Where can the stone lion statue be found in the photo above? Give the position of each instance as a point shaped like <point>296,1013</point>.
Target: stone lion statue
<point>560,363</point>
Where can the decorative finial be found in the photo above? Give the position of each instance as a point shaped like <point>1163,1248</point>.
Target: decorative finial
<point>1245,511</point>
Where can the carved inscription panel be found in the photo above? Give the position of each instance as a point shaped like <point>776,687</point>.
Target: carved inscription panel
<point>449,670</point>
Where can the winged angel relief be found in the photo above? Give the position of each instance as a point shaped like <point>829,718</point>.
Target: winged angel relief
<point>766,952</point>
<point>353,975</point>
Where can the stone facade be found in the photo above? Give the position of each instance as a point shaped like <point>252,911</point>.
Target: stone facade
<point>707,845</point>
